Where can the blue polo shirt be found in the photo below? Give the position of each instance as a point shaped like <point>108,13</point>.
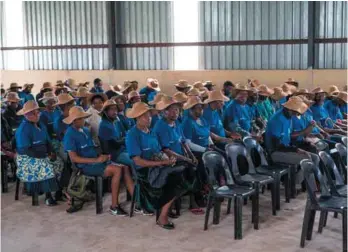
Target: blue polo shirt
<point>320,115</point>
<point>81,142</point>
<point>238,115</point>
<point>148,92</point>
<point>154,120</point>
<point>214,120</point>
<point>30,136</point>
<point>170,137</point>
<point>198,134</point>
<point>127,122</point>
<point>309,117</point>
<point>47,118</point>
<point>333,110</point>
<point>343,109</point>
<point>283,100</point>
<point>59,127</point>
<point>144,145</point>
<point>254,113</point>
<point>97,90</point>
<point>109,130</point>
<point>279,127</point>
<point>299,124</point>
<point>25,97</point>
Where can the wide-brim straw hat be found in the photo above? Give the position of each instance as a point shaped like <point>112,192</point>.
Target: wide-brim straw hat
<point>158,97</point>
<point>14,85</point>
<point>47,85</point>
<point>305,100</point>
<point>192,101</point>
<point>12,97</point>
<point>165,103</point>
<point>254,83</point>
<point>107,104</point>
<point>116,88</point>
<point>204,92</point>
<point>183,84</point>
<point>153,84</point>
<point>264,90</point>
<point>28,85</point>
<point>288,89</point>
<point>180,97</point>
<point>303,91</point>
<point>126,86</point>
<point>82,92</point>
<point>133,94</point>
<point>209,83</point>
<point>333,90</point>
<point>198,85</point>
<point>28,107</point>
<point>295,103</point>
<point>76,112</point>
<point>48,96</point>
<point>216,95</point>
<point>240,87</point>
<point>291,80</point>
<point>64,99</point>
<point>138,109</point>
<point>278,94</point>
<point>193,92</point>
<point>102,95</point>
<point>342,96</point>
<point>318,90</point>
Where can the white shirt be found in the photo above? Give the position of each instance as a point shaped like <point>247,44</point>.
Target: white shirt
<point>94,122</point>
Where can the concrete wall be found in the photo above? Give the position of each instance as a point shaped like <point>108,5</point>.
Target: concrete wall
<point>307,78</point>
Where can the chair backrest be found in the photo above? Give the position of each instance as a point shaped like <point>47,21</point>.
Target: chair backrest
<point>342,150</point>
<point>214,162</point>
<point>345,141</point>
<point>252,145</point>
<point>329,165</point>
<point>310,171</point>
<point>234,151</point>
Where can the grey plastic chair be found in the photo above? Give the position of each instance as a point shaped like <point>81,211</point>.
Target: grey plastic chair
<point>342,150</point>
<point>345,141</point>
<point>324,203</point>
<point>252,178</point>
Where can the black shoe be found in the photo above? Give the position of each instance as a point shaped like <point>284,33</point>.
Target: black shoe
<point>168,226</point>
<point>50,202</point>
<point>118,211</point>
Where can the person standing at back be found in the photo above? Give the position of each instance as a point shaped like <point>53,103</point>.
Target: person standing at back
<point>98,86</point>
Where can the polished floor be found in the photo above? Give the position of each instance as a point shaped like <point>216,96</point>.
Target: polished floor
<point>51,229</point>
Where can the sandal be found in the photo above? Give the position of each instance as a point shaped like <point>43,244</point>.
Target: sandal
<point>168,226</point>
<point>197,211</point>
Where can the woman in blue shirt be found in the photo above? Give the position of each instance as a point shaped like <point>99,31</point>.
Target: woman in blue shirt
<point>145,150</point>
<point>120,101</point>
<point>151,89</point>
<point>79,144</point>
<point>36,161</point>
<point>82,96</point>
<point>181,98</point>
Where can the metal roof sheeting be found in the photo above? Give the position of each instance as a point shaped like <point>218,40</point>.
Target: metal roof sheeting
<point>2,32</point>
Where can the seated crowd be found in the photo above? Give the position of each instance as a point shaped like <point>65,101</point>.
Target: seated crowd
<point>122,133</point>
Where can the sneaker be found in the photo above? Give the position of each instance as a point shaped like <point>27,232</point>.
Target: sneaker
<point>118,211</point>
<point>50,202</point>
<point>138,210</point>
<point>144,212</point>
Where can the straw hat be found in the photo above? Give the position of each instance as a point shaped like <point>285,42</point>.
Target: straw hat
<point>264,90</point>
<point>76,112</point>
<point>27,85</point>
<point>28,107</point>
<point>303,91</point>
<point>126,85</point>
<point>305,100</point>
<point>47,85</point>
<point>288,89</point>
<point>165,103</point>
<point>107,104</point>
<point>318,90</point>
<point>191,102</point>
<point>254,83</point>
<point>153,84</point>
<point>91,96</point>
<point>133,94</point>
<point>12,97</point>
<point>209,83</point>
<point>85,84</point>
<point>82,92</point>
<point>342,96</point>
<point>138,109</point>
<point>204,93</point>
<point>193,92</point>
<point>64,99</point>
<point>59,83</point>
<point>291,81</point>
<point>116,88</point>
<point>333,90</point>
<point>198,85</point>
<point>295,103</point>
<point>216,95</point>
<point>278,94</point>
<point>240,87</point>
<point>48,96</point>
<point>158,97</point>
<point>182,84</point>
<point>14,85</point>
<point>180,97</point>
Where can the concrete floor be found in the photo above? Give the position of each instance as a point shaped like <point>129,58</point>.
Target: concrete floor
<point>51,229</point>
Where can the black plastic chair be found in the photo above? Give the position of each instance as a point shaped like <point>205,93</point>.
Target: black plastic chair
<point>276,171</point>
<point>324,203</point>
<point>4,177</point>
<point>214,163</point>
<point>252,178</point>
<point>342,150</point>
<point>336,184</point>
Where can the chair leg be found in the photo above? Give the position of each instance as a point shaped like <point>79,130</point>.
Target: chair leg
<point>335,215</point>
<point>321,221</point>
<point>293,181</point>
<point>131,211</point>
<point>274,199</point>
<point>310,225</point>
<point>99,194</point>
<point>238,218</point>
<point>287,188</point>
<point>35,199</point>
<point>129,197</point>
<point>277,191</point>
<point>17,188</point>
<point>255,211</point>
<point>217,210</point>
<point>229,206</point>
<point>325,219</point>
<point>178,206</point>
<point>209,205</point>
<point>4,177</point>
<point>344,229</point>
<point>305,223</point>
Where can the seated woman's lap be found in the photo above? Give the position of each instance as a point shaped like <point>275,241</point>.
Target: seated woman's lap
<point>95,169</point>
